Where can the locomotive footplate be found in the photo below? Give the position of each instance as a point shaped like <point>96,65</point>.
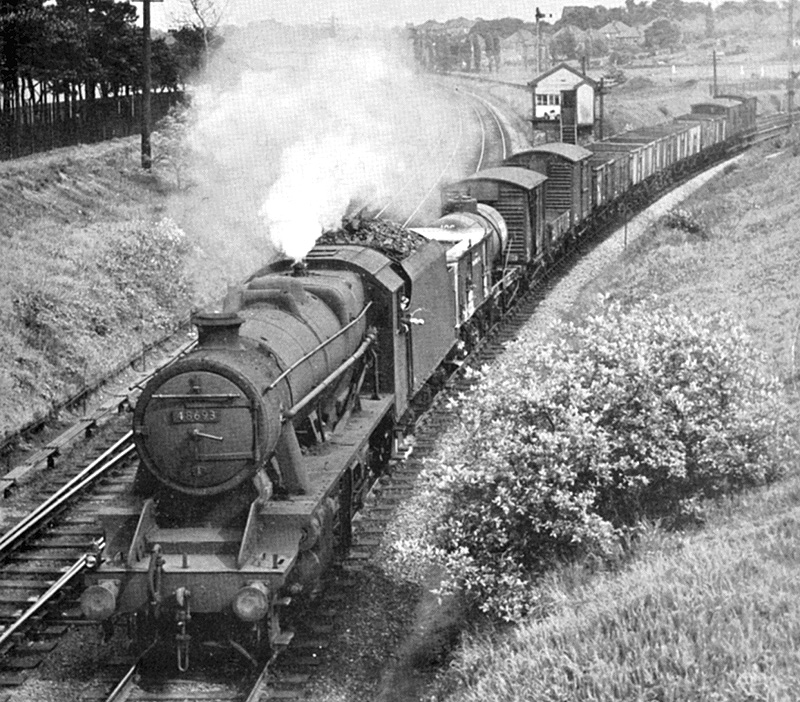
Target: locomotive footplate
<point>333,458</point>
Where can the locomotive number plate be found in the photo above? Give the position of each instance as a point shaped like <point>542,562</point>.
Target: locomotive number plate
<point>195,416</point>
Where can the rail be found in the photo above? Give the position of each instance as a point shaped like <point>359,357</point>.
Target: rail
<point>259,686</point>
<point>494,113</point>
<point>35,519</point>
<point>84,426</point>
<point>122,689</point>
<point>51,592</point>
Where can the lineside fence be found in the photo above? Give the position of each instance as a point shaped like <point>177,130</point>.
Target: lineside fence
<point>751,85</point>
<point>35,128</point>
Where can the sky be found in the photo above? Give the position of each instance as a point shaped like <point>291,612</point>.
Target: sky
<point>370,12</point>
<point>167,13</point>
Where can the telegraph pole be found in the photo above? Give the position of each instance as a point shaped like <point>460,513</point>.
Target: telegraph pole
<point>714,64</point>
<point>147,160</point>
<point>539,15</point>
<point>792,74</point>
<point>602,107</point>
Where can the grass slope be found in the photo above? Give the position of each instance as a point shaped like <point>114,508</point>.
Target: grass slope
<point>712,615</point>
<point>743,259</point>
<point>64,321</point>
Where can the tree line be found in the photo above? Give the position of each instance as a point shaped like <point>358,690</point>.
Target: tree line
<point>642,13</point>
<point>446,48</point>
<point>72,50</point>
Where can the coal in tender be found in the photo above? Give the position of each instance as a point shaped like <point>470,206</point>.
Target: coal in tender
<point>391,239</point>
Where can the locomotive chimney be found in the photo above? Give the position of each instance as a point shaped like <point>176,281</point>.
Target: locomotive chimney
<point>217,328</point>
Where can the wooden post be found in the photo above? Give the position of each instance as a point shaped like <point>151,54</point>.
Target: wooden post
<point>147,160</point>
<point>714,63</point>
<point>792,74</point>
<point>539,15</point>
<point>602,107</point>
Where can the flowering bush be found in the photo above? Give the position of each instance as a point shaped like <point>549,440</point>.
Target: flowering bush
<point>171,145</point>
<point>685,220</point>
<point>146,264</point>
<point>636,414</point>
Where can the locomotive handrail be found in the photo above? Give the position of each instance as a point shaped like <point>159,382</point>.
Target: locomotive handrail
<point>360,351</point>
<point>190,396</point>
<point>318,348</point>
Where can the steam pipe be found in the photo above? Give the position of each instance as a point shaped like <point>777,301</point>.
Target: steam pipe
<point>299,362</point>
<point>360,351</point>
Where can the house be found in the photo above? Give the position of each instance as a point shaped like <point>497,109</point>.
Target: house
<point>572,29</point>
<point>619,35</point>
<point>459,26</point>
<point>519,48</point>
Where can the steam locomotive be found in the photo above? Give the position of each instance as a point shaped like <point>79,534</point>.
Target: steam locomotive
<point>258,447</point>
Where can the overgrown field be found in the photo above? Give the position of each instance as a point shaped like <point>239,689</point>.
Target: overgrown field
<point>705,612</point>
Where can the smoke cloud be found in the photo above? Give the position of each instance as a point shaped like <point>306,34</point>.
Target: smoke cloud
<point>295,132</point>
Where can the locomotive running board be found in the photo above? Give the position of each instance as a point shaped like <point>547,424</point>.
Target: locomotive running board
<point>324,471</point>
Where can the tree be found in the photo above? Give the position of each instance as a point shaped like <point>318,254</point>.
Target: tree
<point>670,9</point>
<point>187,47</point>
<point>113,45</point>
<point>67,47</point>
<point>662,34</point>
<point>710,25</point>
<point>205,16</point>
<point>22,24</point>
<point>582,17</point>
<point>594,45</point>
<point>564,45</point>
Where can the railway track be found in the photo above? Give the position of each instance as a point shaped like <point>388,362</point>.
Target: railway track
<point>45,552</point>
<point>770,126</point>
<point>500,144</point>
